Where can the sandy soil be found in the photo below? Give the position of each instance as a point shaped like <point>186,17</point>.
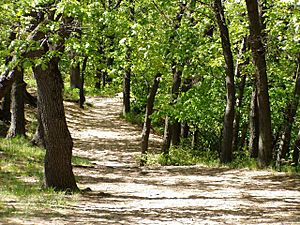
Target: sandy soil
<point>124,193</point>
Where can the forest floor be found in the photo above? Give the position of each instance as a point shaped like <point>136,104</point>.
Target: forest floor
<point>124,193</point>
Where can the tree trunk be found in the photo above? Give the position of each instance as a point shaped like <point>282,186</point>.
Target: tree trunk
<point>17,125</point>
<point>38,138</point>
<point>58,141</point>
<point>185,129</point>
<point>127,72</point>
<point>258,52</point>
<point>296,150</point>
<point>226,150</point>
<point>126,90</point>
<point>5,107</point>
<point>172,127</point>
<point>254,124</point>
<point>75,80</point>
<point>81,89</point>
<point>147,121</point>
<point>289,121</point>
<point>241,88</point>
<point>195,139</point>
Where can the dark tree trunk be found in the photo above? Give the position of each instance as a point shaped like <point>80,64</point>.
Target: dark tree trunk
<point>296,150</point>
<point>176,133</point>
<point>258,52</point>
<point>29,99</point>
<point>241,88</point>
<point>253,124</point>
<point>226,150</point>
<point>17,125</point>
<point>289,119</point>
<point>126,90</point>
<point>81,89</point>
<point>185,129</point>
<point>172,129</point>
<point>38,138</point>
<point>5,107</point>
<point>58,141</point>
<point>127,72</point>
<point>75,80</point>
<point>147,121</point>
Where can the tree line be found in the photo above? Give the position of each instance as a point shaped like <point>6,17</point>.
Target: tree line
<point>220,77</point>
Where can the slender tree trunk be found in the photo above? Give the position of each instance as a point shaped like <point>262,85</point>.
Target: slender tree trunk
<point>38,138</point>
<point>226,150</point>
<point>185,129</point>
<point>58,141</point>
<point>172,127</point>
<point>195,139</point>
<point>290,114</point>
<point>5,107</point>
<point>127,73</point>
<point>81,89</point>
<point>17,125</point>
<point>258,52</point>
<point>253,124</point>
<point>147,121</point>
<point>126,89</point>
<point>296,150</point>
<point>75,81</point>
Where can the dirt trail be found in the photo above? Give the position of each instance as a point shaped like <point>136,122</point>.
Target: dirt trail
<point>123,193</point>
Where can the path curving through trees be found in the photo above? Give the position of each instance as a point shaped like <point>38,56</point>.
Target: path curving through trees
<point>124,193</point>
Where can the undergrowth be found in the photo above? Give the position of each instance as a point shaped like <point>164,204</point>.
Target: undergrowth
<point>21,180</point>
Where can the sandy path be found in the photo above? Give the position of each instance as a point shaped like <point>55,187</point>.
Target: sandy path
<point>123,193</point>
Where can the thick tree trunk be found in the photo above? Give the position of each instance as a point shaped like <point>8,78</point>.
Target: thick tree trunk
<point>226,150</point>
<point>176,133</point>
<point>147,121</point>
<point>258,52</point>
<point>289,121</point>
<point>58,141</point>
<point>17,125</point>
<point>253,124</point>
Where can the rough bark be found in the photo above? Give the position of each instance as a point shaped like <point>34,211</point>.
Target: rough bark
<point>17,125</point>
<point>258,53</point>
<point>147,120</point>
<point>58,141</point>
<point>253,124</point>
<point>226,149</point>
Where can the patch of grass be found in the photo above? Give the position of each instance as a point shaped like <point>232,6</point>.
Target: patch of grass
<point>21,180</point>
<point>78,161</point>
<point>133,118</point>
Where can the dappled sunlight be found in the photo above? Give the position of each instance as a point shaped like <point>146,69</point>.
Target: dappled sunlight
<point>124,193</point>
